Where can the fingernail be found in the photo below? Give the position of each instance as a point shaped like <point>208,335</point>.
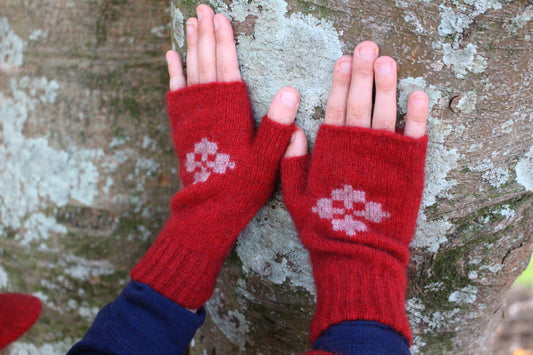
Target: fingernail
<point>293,137</point>
<point>216,23</point>
<point>190,28</point>
<point>345,67</point>
<point>168,60</point>
<point>199,14</point>
<point>289,98</point>
<point>384,68</point>
<point>367,52</point>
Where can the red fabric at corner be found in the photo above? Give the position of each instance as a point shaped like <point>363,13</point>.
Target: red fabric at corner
<point>18,312</point>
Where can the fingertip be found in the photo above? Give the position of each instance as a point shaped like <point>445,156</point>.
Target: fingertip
<point>170,53</point>
<point>366,49</point>
<point>298,144</point>
<point>290,97</point>
<point>385,69</point>
<point>417,114</point>
<point>175,70</point>
<point>191,24</point>
<point>419,95</point>
<point>203,9</point>
<point>343,65</point>
<point>418,106</point>
<point>284,107</point>
<point>219,19</point>
<point>384,59</point>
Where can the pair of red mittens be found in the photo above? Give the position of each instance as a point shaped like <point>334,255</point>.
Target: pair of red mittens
<point>355,206</point>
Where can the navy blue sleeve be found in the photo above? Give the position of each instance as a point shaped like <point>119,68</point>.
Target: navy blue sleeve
<point>140,321</point>
<point>362,338</point>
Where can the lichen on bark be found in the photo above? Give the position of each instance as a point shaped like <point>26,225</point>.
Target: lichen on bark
<point>82,87</point>
<point>473,234</point>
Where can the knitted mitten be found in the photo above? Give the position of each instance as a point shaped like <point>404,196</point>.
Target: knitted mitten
<point>18,312</point>
<point>355,209</point>
<point>228,171</point>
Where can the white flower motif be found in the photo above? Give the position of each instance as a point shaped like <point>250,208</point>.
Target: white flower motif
<point>206,160</point>
<point>344,205</point>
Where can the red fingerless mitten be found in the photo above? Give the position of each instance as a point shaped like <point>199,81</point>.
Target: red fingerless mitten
<point>228,171</point>
<point>18,312</point>
<point>356,212</point>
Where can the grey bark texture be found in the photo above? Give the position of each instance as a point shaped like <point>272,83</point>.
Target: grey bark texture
<point>474,59</point>
<point>87,166</point>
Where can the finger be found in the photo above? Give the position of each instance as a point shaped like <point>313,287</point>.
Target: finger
<point>359,107</point>
<point>294,175</point>
<point>384,117</point>
<point>298,144</point>
<point>417,114</point>
<point>192,51</point>
<point>226,53</point>
<point>340,86</point>
<point>207,71</point>
<point>284,106</point>
<point>175,71</point>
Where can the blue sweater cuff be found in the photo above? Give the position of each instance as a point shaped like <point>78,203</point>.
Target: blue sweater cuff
<point>140,321</point>
<point>362,338</point>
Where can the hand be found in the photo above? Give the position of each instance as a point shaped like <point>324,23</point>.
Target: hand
<point>212,56</point>
<point>228,168</point>
<point>355,205</point>
<point>350,99</point>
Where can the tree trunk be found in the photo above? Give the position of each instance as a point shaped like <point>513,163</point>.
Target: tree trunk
<point>86,164</point>
<point>474,231</point>
<point>87,167</point>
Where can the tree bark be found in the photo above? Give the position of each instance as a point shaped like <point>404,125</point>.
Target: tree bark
<point>87,168</point>
<point>474,232</point>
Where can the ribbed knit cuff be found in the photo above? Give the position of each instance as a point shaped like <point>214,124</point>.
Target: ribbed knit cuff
<point>370,286</point>
<point>183,272</point>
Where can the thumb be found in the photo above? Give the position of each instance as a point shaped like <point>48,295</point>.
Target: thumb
<point>272,136</point>
<point>294,171</point>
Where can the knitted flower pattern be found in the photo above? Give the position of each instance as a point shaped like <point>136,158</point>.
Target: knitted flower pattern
<point>206,160</point>
<point>347,209</point>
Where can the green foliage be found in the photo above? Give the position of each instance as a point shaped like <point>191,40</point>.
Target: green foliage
<point>526,279</point>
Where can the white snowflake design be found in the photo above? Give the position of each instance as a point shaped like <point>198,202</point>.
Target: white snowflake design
<point>347,208</point>
<point>206,160</point>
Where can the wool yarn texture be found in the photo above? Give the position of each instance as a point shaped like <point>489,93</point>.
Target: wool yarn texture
<point>355,204</point>
<point>228,170</point>
<point>18,312</point>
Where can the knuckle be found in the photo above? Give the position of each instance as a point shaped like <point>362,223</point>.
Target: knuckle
<point>367,44</point>
<point>383,124</point>
<point>341,79</point>
<point>386,85</point>
<point>226,73</point>
<point>385,59</point>
<point>334,115</point>
<point>364,70</point>
<point>206,70</point>
<point>359,111</point>
<point>418,118</point>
